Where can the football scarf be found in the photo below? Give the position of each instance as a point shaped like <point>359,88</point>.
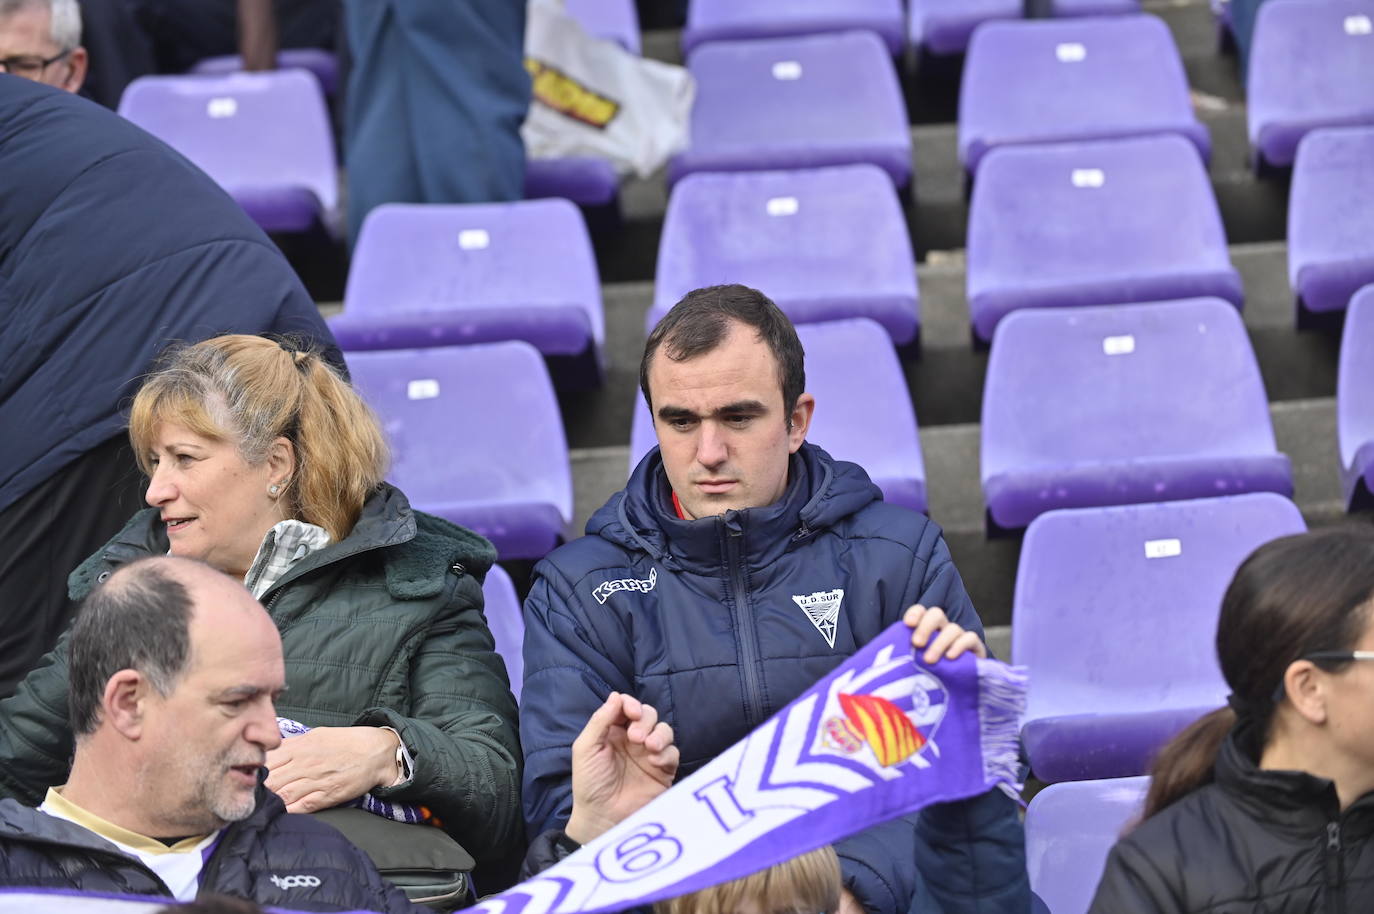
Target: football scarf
<point>880,737</point>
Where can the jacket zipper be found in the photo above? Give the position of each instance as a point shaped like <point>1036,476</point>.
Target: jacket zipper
<point>1334,865</point>
<point>744,624</point>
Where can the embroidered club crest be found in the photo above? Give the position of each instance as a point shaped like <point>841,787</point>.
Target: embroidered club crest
<point>823,609</point>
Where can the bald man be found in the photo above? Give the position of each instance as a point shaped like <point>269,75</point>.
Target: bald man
<point>174,669</point>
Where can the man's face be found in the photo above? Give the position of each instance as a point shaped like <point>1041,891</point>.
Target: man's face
<point>722,427</point>
<point>208,738</point>
<point>27,47</point>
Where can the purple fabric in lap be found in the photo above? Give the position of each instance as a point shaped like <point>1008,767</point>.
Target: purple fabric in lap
<point>824,244</point>
<point>447,410</point>
<point>1128,576</point>
<point>1311,65</point>
<point>1139,403</point>
<point>1355,396</point>
<point>796,103</point>
<point>1331,217</point>
<point>944,26</point>
<point>1073,79</point>
<point>1094,223</point>
<point>724,20</point>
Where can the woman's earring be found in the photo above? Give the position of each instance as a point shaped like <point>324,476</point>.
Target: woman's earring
<point>273,489</point>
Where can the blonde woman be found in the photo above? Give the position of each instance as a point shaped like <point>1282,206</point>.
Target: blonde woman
<point>264,463</point>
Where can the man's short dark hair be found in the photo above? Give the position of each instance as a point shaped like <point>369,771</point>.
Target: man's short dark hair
<point>700,322</point>
<point>138,619</point>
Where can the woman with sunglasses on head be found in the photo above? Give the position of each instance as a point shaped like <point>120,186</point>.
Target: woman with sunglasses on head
<point>1268,804</point>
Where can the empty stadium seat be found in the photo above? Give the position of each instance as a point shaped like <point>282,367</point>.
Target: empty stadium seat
<point>1331,217</point>
<point>863,410</point>
<point>1067,8</point>
<point>944,26</point>
<point>1070,829</point>
<point>725,20</point>
<point>823,243</point>
<point>1122,405</point>
<point>1115,616</point>
<point>614,20</point>
<point>264,137</point>
<point>435,275</point>
<point>507,623</point>
<point>1355,401</point>
<point>476,437</point>
<point>320,62</point>
<point>1095,223</point>
<point>796,103</point>
<point>1073,79</point>
<point>1311,65</point>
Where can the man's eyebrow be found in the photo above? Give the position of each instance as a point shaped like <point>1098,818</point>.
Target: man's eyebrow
<point>739,406</point>
<point>247,691</point>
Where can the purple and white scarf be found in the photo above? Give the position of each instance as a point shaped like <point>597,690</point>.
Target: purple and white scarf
<point>881,737</point>
<point>399,812</point>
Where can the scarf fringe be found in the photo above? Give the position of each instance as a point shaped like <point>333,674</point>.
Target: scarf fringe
<point>1001,708</point>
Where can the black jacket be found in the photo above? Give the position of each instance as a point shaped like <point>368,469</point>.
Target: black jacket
<point>41,851</point>
<point>1252,842</point>
<point>111,246</point>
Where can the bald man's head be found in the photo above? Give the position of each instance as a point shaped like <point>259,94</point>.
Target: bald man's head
<point>140,618</point>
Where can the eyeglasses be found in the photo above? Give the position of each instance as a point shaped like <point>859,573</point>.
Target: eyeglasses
<point>1339,656</point>
<point>30,65</point>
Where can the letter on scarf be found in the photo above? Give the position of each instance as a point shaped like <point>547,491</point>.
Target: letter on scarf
<point>880,737</point>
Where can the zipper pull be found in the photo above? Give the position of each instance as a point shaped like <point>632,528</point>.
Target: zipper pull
<point>1332,862</point>
<point>1333,836</point>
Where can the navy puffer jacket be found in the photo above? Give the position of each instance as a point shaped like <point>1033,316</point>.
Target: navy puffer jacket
<point>254,859</point>
<point>704,620</point>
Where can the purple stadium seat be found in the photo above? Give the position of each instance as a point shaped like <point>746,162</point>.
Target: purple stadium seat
<point>1331,217</point>
<point>1122,405</point>
<point>824,243</point>
<point>1096,223</point>
<point>1095,585</point>
<point>1073,79</point>
<point>1311,65</point>
<point>476,437</point>
<point>727,20</point>
<point>863,408</point>
<point>1355,401</point>
<point>507,624</point>
<point>435,275</point>
<point>264,137</point>
<point>585,180</point>
<point>1070,828</point>
<point>320,62</point>
<point>796,103</point>
<point>614,20</point>
<point>1067,8</point>
<point>944,26</point>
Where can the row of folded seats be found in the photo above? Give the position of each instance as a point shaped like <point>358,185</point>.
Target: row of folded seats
<point>1125,425</point>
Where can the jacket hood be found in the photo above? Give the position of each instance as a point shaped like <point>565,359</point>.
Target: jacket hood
<point>821,491</point>
<point>387,519</point>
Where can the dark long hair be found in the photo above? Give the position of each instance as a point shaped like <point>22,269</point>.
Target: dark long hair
<point>1292,597</point>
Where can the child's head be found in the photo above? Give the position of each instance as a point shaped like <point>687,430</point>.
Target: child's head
<point>806,884</point>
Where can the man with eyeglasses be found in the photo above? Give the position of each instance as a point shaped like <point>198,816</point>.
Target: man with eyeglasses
<point>41,40</point>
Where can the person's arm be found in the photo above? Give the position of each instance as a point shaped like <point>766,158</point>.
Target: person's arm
<point>569,673</point>
<point>937,582</point>
<point>1133,882</point>
<point>35,734</point>
<point>257,27</point>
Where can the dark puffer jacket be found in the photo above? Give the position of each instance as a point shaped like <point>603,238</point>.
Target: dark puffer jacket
<point>1253,841</point>
<point>705,620</point>
<point>383,628</point>
<point>41,851</point>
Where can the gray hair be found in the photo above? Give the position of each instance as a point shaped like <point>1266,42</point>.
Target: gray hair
<point>138,619</point>
<point>65,27</point>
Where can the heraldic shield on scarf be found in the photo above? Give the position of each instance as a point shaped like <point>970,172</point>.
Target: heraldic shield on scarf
<point>880,737</point>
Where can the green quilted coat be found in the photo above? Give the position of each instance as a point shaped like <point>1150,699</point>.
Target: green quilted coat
<point>382,628</point>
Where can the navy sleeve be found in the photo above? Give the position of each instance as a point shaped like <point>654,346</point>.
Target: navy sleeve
<point>568,674</point>
<point>941,585</point>
<point>972,855</point>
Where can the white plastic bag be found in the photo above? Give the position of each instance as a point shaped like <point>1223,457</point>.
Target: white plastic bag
<point>593,98</point>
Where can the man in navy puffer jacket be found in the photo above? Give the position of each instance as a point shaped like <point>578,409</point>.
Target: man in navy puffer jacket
<point>739,566</point>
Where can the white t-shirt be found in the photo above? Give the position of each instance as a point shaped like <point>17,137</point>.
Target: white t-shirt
<point>178,866</point>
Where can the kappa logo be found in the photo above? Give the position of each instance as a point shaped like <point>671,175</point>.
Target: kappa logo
<point>823,609</point>
<point>639,585</point>
<point>296,882</point>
